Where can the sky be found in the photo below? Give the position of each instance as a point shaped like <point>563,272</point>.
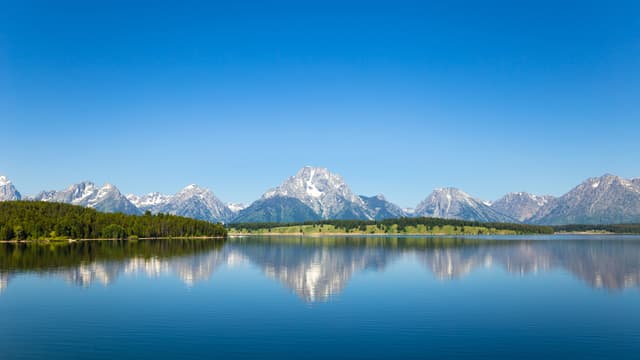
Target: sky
<point>398,97</point>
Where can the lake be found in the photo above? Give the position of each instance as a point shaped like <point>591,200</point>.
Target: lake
<point>323,298</point>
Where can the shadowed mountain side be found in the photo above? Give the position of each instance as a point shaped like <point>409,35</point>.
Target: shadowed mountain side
<point>277,209</point>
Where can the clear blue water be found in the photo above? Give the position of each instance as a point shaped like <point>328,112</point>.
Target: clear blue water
<point>323,298</point>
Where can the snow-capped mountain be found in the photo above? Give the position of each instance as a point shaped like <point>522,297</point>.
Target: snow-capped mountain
<point>236,207</point>
<point>193,201</point>
<point>106,198</point>
<point>452,203</point>
<point>379,208</point>
<point>153,201</point>
<point>608,199</point>
<point>198,203</point>
<point>324,192</point>
<point>316,193</point>
<point>8,192</point>
<point>521,205</point>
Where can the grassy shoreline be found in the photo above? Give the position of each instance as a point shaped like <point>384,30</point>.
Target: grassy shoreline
<point>354,234</point>
<point>394,230</point>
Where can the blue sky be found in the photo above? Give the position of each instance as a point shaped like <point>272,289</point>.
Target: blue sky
<point>398,97</point>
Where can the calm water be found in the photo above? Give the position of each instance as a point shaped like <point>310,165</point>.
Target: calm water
<point>309,298</point>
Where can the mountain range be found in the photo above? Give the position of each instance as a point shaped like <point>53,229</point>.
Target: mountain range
<point>192,201</point>
<point>106,198</point>
<point>315,193</point>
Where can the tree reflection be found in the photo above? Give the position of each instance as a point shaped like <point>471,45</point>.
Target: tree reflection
<point>315,269</point>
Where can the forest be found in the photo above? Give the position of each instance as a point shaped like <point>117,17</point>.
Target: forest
<point>33,220</point>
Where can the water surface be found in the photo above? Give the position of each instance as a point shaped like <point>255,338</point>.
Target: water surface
<point>320,298</point>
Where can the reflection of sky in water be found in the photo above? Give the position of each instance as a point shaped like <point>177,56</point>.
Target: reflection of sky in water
<point>312,300</point>
<point>315,271</point>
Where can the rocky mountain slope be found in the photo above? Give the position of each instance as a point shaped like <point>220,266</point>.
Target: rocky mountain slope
<point>316,193</point>
<point>326,193</point>
<point>379,208</point>
<point>452,203</point>
<point>193,201</point>
<point>608,199</point>
<point>106,198</point>
<point>521,206</point>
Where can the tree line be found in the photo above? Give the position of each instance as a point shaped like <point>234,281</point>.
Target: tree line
<point>401,223</point>
<point>612,228</point>
<point>33,220</point>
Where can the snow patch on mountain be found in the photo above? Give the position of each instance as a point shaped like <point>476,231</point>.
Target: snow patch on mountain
<point>106,198</point>
<point>521,205</point>
<point>192,201</point>
<point>151,201</point>
<point>379,208</point>
<point>236,207</point>
<point>323,191</point>
<point>452,203</point>
<point>8,192</point>
<point>4,181</point>
<point>608,199</point>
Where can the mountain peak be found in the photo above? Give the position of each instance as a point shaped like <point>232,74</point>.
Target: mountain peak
<point>606,181</point>
<point>608,199</point>
<point>106,198</point>
<point>8,192</point>
<point>236,207</point>
<point>194,189</point>
<point>109,186</point>
<point>453,203</point>
<point>379,208</point>
<point>521,205</point>
<point>323,191</point>
<point>4,181</point>
<point>149,201</point>
<point>191,201</point>
<point>451,192</point>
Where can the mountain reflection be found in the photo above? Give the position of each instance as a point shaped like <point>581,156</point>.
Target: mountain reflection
<point>318,268</point>
<point>314,272</point>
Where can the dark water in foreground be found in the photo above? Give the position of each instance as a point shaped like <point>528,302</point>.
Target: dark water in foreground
<point>310,298</point>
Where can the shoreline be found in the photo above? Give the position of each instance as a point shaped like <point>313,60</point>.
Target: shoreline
<point>237,235</point>
<point>419,234</point>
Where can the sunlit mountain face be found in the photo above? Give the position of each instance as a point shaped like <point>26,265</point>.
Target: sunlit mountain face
<point>317,269</point>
